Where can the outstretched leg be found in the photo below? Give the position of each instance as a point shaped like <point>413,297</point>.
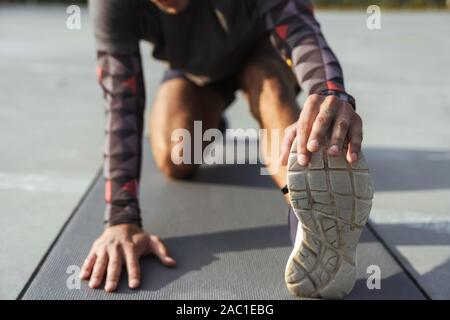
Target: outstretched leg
<point>330,198</point>
<point>270,87</point>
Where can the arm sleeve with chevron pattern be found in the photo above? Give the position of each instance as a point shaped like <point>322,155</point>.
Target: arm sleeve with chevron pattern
<point>117,32</point>
<point>120,76</point>
<point>298,36</point>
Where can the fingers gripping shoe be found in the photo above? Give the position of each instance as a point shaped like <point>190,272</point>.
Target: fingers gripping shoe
<point>332,201</point>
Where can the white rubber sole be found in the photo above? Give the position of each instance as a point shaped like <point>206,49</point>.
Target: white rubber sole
<point>332,200</point>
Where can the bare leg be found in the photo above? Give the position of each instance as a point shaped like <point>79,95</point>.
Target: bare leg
<point>270,88</point>
<point>177,105</point>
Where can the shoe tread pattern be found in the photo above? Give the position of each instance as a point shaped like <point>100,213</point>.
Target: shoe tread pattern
<point>332,200</point>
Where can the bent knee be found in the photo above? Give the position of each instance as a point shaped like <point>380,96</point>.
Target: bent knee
<point>175,171</point>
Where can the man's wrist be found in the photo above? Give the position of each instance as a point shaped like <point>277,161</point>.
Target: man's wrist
<point>343,96</point>
<point>130,214</point>
<point>137,223</point>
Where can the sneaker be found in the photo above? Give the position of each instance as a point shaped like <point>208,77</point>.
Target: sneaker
<point>332,201</point>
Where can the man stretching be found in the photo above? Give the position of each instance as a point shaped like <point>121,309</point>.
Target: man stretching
<point>268,49</point>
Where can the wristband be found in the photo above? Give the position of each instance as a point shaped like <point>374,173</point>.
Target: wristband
<point>341,95</point>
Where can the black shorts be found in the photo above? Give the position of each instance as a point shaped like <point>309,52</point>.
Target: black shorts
<point>226,88</point>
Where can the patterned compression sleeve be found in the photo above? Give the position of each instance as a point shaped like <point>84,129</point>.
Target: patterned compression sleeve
<point>122,81</point>
<point>298,36</point>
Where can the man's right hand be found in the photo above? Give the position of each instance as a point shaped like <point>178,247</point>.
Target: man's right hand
<point>118,245</point>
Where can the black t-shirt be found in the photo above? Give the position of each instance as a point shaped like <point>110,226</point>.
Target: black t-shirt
<point>209,40</point>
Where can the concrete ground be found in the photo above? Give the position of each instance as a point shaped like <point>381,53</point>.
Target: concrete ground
<point>52,118</point>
